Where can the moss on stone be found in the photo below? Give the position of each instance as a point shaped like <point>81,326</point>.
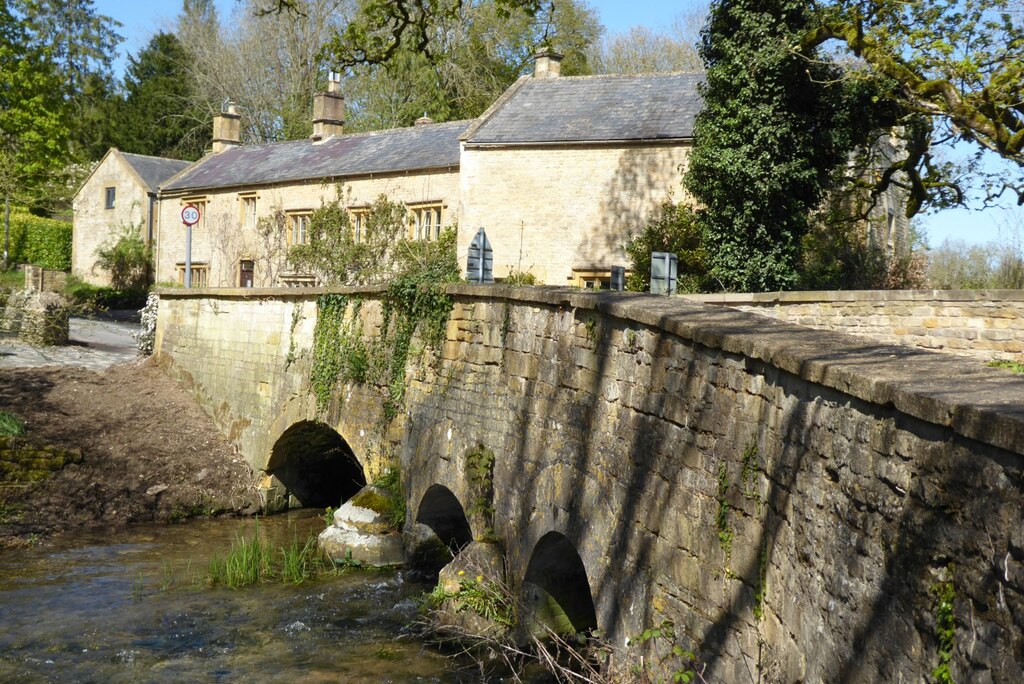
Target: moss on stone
<point>371,499</point>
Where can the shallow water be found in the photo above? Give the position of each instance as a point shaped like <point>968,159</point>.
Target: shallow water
<point>130,605</point>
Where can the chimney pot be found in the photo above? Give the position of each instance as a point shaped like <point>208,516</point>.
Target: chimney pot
<point>423,120</point>
<point>547,63</point>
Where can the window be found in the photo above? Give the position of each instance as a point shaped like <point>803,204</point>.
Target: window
<point>248,211</point>
<point>592,279</point>
<point>200,273</point>
<point>246,272</point>
<point>425,221</point>
<point>358,221</point>
<point>298,228</point>
<point>111,196</point>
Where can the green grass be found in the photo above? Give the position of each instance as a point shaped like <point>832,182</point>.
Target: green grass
<point>11,425</point>
<point>250,560</point>
<point>301,563</point>
<point>12,279</point>
<point>1015,366</point>
<point>247,562</point>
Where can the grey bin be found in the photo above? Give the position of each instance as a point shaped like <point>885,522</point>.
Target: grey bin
<point>664,268</point>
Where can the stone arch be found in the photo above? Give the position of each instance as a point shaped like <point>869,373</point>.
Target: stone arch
<point>556,591</point>
<point>315,466</point>
<point>442,512</point>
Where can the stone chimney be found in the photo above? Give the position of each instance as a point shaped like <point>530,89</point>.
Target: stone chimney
<point>227,129</point>
<point>547,63</point>
<point>423,120</point>
<point>328,111</point>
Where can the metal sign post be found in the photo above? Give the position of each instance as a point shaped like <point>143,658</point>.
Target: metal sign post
<point>190,217</point>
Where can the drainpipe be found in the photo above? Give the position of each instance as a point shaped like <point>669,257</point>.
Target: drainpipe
<point>149,228</point>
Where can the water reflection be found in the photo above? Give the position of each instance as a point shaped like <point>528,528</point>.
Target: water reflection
<point>130,605</point>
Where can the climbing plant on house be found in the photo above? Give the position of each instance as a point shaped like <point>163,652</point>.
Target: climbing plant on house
<point>413,303</point>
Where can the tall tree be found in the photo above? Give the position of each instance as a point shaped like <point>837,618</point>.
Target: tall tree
<point>81,44</point>
<point>475,55</point>
<point>160,117</point>
<point>643,51</point>
<point>958,62</point>
<point>33,125</point>
<point>776,124</point>
<point>268,65</point>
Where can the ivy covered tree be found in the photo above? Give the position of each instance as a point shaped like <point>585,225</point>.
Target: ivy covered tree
<point>777,123</point>
<point>763,147</point>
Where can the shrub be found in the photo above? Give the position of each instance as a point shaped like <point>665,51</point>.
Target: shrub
<point>97,297</point>
<point>145,336</point>
<point>128,260</point>
<point>675,229</point>
<point>41,241</point>
<point>956,265</point>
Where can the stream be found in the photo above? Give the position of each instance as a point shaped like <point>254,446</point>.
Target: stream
<point>131,604</point>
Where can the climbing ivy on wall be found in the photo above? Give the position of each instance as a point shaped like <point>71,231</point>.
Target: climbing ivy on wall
<point>413,303</point>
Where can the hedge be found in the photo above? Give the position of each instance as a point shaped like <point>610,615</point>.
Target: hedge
<point>40,241</point>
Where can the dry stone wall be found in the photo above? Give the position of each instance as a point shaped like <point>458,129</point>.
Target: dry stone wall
<point>982,323</point>
<point>793,501</point>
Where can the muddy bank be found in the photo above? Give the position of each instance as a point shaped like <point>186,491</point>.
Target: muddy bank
<point>148,452</point>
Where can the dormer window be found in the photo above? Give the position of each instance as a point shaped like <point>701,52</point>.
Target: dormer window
<point>111,195</point>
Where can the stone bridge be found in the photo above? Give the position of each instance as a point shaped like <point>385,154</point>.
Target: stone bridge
<point>794,501</point>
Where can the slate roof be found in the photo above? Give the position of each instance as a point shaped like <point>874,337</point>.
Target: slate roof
<point>154,170</point>
<point>430,146</point>
<point>594,109</point>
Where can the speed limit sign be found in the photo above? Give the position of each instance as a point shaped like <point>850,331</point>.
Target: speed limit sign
<point>190,215</point>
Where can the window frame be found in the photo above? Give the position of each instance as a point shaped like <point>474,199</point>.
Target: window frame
<point>417,212</point>
<point>297,218</point>
<point>110,197</point>
<point>247,201</point>
<point>199,268</point>
<point>202,203</point>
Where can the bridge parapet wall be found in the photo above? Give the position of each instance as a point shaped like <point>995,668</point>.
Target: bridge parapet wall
<point>983,323</point>
<point>791,499</point>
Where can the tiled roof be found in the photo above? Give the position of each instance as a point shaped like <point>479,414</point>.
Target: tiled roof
<point>429,146</point>
<point>154,170</point>
<point>595,109</point>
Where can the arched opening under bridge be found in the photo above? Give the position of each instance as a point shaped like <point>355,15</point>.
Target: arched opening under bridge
<point>556,591</point>
<point>442,512</point>
<point>316,466</point>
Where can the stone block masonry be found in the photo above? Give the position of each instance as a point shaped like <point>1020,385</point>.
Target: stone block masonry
<point>791,499</point>
<point>982,323</point>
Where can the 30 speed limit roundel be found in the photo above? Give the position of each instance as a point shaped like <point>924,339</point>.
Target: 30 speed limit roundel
<point>190,215</point>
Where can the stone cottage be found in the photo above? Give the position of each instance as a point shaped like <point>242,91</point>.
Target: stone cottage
<point>119,195</point>
<point>560,169</point>
<point>256,200</point>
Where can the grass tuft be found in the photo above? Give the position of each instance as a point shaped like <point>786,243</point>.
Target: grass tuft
<point>11,425</point>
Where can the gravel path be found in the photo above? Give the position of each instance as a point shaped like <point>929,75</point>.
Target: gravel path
<point>95,344</point>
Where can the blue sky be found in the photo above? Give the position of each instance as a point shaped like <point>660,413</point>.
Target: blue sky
<point>142,18</point>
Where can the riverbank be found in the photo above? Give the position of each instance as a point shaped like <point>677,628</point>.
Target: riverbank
<point>149,453</point>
